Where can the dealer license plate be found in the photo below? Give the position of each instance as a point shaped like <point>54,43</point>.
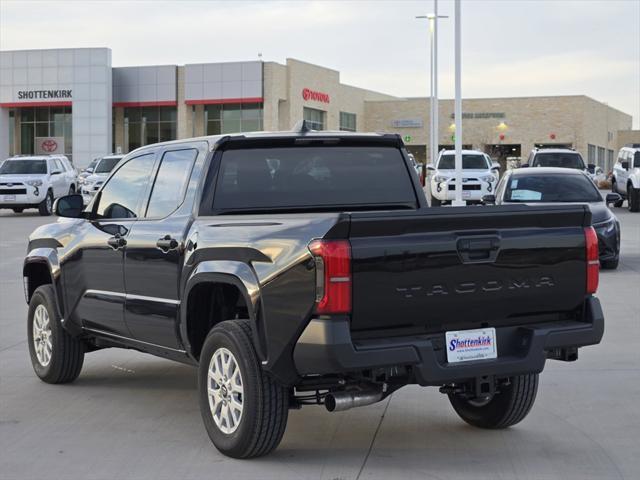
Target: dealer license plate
<point>9,198</point>
<point>468,345</point>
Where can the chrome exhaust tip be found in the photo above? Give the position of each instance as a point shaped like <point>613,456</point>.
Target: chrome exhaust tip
<point>341,401</point>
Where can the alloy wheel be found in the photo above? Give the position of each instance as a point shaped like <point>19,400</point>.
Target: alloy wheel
<point>225,390</point>
<point>42,335</point>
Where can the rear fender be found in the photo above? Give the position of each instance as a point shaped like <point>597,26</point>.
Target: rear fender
<point>235,273</point>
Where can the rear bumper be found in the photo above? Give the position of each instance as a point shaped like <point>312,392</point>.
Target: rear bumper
<point>326,347</point>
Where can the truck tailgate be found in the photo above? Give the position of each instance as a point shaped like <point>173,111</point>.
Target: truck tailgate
<point>458,268</point>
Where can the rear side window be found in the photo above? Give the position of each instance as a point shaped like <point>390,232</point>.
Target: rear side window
<point>264,178</point>
<point>636,160</point>
<point>171,181</point>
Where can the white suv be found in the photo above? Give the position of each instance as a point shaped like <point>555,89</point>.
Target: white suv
<point>101,171</point>
<point>35,181</point>
<point>479,177</point>
<point>626,176</point>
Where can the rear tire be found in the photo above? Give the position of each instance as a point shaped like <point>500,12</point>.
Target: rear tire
<point>633,198</point>
<point>245,415</point>
<point>610,264</point>
<point>17,210</point>
<point>46,206</point>
<point>56,356</point>
<point>435,202</point>
<point>506,408</point>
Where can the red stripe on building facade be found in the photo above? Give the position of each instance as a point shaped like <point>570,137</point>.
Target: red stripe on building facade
<point>222,101</point>
<point>164,103</point>
<point>34,104</point>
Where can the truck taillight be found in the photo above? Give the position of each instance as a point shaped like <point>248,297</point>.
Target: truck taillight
<point>593,260</point>
<point>333,275</point>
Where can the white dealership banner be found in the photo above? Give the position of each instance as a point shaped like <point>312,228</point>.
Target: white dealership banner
<point>49,145</point>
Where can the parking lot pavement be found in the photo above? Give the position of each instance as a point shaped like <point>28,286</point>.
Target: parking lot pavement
<point>131,415</point>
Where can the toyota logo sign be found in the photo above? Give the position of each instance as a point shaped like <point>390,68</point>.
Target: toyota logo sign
<point>49,145</point>
<point>308,94</point>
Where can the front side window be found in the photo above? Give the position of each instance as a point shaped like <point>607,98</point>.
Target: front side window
<point>560,159</point>
<point>469,162</point>
<point>171,181</point>
<point>544,188</point>
<point>636,159</point>
<point>24,167</point>
<point>314,117</point>
<point>121,196</point>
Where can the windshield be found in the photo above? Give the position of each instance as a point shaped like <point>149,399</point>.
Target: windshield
<point>24,167</point>
<point>469,162</point>
<point>551,188</point>
<point>559,159</point>
<point>106,165</point>
<point>317,177</point>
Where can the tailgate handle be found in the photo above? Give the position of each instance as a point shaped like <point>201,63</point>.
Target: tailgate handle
<point>478,250</point>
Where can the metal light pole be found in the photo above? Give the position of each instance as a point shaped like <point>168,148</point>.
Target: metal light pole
<point>433,92</point>
<point>458,111</point>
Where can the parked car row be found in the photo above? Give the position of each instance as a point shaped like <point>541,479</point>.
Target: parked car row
<point>36,181</point>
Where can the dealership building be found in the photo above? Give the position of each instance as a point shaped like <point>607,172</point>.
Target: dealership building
<point>73,101</point>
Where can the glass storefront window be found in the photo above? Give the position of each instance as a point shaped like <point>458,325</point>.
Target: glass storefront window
<point>233,118</point>
<point>147,125</point>
<point>45,122</point>
<point>348,122</point>
<point>315,118</point>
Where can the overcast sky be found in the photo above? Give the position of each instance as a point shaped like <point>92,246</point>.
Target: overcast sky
<point>510,47</point>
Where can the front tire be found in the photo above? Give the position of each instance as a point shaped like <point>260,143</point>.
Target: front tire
<point>243,408</point>
<point>614,189</point>
<point>506,408</point>
<point>435,202</point>
<point>17,210</point>
<point>56,356</point>
<point>46,206</point>
<point>633,198</point>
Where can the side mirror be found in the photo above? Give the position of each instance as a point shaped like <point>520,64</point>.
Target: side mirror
<point>431,167</point>
<point>625,165</point>
<point>495,166</point>
<point>524,165</point>
<point>488,199</point>
<point>591,167</point>
<point>613,198</point>
<point>70,206</point>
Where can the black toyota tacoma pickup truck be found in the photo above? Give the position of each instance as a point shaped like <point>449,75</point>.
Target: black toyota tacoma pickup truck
<point>304,268</point>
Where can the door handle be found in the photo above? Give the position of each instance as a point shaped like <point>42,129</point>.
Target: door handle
<point>167,243</point>
<point>117,242</point>
<point>478,250</point>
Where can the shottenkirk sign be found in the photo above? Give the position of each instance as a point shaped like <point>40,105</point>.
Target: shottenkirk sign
<point>39,94</point>
<point>309,94</point>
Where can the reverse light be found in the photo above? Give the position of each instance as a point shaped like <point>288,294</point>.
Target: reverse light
<point>333,275</point>
<point>593,260</point>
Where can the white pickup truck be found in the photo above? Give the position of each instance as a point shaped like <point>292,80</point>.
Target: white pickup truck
<point>626,176</point>
<point>479,177</point>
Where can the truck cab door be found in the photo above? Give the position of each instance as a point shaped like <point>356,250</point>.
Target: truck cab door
<point>156,246</point>
<point>94,278</point>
